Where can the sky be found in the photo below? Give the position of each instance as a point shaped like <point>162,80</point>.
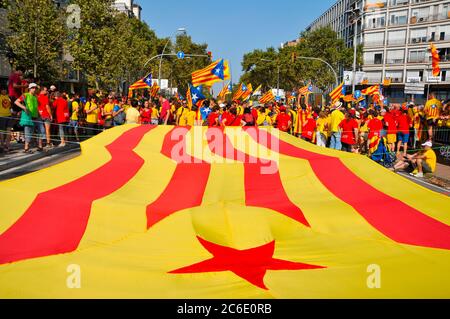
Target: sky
<point>232,28</point>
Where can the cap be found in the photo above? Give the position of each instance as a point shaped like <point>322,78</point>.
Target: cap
<point>32,85</point>
<point>428,143</point>
<point>221,105</point>
<point>53,88</point>
<point>337,105</point>
<point>357,115</point>
<point>383,111</point>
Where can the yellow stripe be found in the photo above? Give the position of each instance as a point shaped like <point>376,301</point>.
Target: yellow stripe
<point>124,212</point>
<point>19,193</point>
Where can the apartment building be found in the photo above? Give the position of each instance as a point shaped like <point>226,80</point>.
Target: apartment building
<point>396,35</point>
<point>129,7</point>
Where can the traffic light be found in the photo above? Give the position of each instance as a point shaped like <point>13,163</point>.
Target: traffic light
<point>210,55</point>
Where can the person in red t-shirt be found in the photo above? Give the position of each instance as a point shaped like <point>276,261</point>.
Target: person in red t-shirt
<point>283,120</point>
<point>146,113</point>
<point>213,117</point>
<point>350,130</point>
<point>231,118</point>
<point>391,129</point>
<point>62,116</point>
<point>309,127</point>
<point>45,112</point>
<point>404,124</point>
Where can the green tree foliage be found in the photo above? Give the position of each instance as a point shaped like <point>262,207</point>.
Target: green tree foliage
<point>322,43</point>
<point>37,35</point>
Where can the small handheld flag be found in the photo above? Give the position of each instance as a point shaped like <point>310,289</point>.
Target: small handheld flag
<point>215,72</point>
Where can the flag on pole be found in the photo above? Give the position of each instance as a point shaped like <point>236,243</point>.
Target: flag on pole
<point>371,90</point>
<point>336,94</point>
<point>306,90</point>
<point>226,90</point>
<point>154,90</point>
<point>435,60</point>
<point>241,90</point>
<point>213,73</point>
<point>246,95</point>
<point>258,89</point>
<point>189,97</point>
<point>266,98</point>
<point>194,95</point>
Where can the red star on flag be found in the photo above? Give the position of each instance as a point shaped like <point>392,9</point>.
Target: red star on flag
<point>249,264</point>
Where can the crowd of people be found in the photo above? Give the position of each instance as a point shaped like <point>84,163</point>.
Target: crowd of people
<point>46,115</point>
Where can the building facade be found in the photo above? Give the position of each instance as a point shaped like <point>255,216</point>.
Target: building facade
<point>396,35</point>
<point>129,7</point>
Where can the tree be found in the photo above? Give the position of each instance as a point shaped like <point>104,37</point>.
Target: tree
<point>37,35</point>
<point>322,43</point>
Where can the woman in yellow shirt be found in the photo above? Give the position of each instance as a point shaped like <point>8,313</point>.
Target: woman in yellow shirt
<point>323,127</point>
<point>91,108</point>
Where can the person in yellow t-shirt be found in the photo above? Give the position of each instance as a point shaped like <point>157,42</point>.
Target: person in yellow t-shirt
<point>323,124</point>
<point>155,115</point>
<point>108,111</point>
<point>132,115</point>
<point>263,117</point>
<point>182,113</point>
<point>432,112</point>
<point>424,161</point>
<point>336,118</point>
<point>6,122</point>
<point>190,116</point>
<point>91,108</point>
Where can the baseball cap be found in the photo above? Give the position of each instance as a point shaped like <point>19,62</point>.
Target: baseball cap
<point>357,115</point>
<point>221,105</point>
<point>428,143</point>
<point>53,88</point>
<point>32,85</point>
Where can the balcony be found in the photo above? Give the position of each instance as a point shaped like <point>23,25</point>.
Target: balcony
<point>430,18</point>
<point>396,42</point>
<point>418,40</point>
<point>374,43</point>
<point>398,3</point>
<point>420,59</point>
<point>445,58</point>
<point>395,61</point>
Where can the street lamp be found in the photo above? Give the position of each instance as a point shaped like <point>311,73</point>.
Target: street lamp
<point>355,18</point>
<point>181,30</point>
<point>278,81</point>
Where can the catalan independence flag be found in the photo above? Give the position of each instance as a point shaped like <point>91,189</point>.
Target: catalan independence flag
<point>306,90</point>
<point>241,90</point>
<point>435,60</point>
<point>154,89</point>
<point>336,94</point>
<point>225,90</point>
<point>248,93</point>
<point>267,98</point>
<point>215,72</point>
<point>296,222</point>
<point>371,90</point>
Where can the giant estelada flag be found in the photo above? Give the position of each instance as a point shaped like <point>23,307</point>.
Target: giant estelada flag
<point>151,212</point>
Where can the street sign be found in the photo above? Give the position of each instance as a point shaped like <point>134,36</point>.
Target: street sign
<point>434,79</point>
<point>181,55</point>
<point>413,79</point>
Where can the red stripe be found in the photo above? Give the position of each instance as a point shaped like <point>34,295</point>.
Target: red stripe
<point>188,183</point>
<point>261,190</point>
<point>57,219</point>
<point>390,216</point>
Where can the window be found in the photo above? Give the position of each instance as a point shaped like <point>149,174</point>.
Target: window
<point>395,57</point>
<point>416,56</point>
<point>373,76</point>
<point>399,18</point>
<point>398,2</point>
<point>395,76</point>
<point>418,35</point>
<point>397,37</point>
<point>374,39</point>
<point>442,36</point>
<point>373,22</point>
<point>373,58</point>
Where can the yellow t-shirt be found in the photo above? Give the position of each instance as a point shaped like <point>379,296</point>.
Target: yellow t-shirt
<point>93,116</point>
<point>190,118</point>
<point>5,106</point>
<point>432,109</point>
<point>126,107</point>
<point>75,107</point>
<point>430,159</point>
<point>109,108</point>
<point>336,119</point>
<point>182,115</point>
<point>155,113</point>
<point>323,125</point>
<point>263,117</point>
<point>132,116</point>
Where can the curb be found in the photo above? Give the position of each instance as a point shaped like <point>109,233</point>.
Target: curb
<point>15,163</point>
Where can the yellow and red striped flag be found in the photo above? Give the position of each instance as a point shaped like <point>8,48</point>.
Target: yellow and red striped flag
<point>371,90</point>
<point>247,94</point>
<point>225,91</point>
<point>154,90</point>
<point>178,223</point>
<point>267,98</point>
<point>240,91</point>
<point>213,73</point>
<point>336,94</point>
<point>435,60</point>
<point>189,97</point>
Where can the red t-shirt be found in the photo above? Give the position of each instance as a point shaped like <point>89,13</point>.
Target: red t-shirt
<point>14,78</point>
<point>255,113</point>
<point>212,119</point>
<point>146,116</point>
<point>43,101</point>
<point>375,126</point>
<point>403,123</point>
<point>309,129</point>
<point>62,110</point>
<point>283,122</point>
<point>391,125</point>
<point>348,134</point>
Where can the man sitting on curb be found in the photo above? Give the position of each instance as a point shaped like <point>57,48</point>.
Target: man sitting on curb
<point>424,161</point>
